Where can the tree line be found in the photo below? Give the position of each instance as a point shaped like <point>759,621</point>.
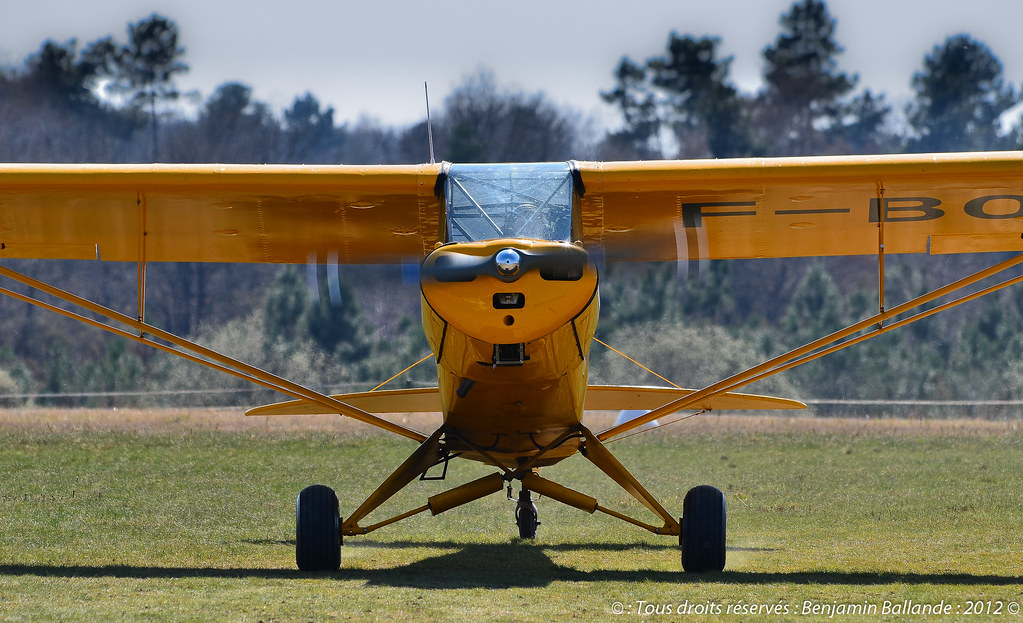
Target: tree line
<point>682,104</point>
<point>116,100</point>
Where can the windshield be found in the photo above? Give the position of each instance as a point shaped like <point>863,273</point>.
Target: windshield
<point>489,201</point>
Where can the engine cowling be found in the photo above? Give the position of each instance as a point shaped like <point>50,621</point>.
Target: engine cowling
<point>508,291</point>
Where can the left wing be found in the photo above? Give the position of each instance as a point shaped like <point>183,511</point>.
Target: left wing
<point>218,213</point>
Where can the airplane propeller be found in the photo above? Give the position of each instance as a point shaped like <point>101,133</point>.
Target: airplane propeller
<point>566,263</point>
<point>690,263</point>
<point>333,274</point>
<point>410,271</point>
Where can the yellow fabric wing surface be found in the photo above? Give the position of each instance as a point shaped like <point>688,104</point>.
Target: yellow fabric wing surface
<point>787,207</point>
<point>219,213</point>
<point>664,210</point>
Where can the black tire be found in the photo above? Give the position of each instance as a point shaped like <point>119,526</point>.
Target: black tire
<point>526,516</point>
<point>703,530</point>
<point>317,530</point>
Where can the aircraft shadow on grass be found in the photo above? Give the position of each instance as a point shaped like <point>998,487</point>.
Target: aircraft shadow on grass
<point>508,565</point>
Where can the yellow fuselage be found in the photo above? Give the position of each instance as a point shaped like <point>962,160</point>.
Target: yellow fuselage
<point>512,350</point>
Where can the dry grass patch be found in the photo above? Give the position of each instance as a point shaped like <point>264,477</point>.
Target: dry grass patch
<point>233,420</point>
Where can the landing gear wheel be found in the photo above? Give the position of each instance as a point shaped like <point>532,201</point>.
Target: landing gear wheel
<point>703,530</point>
<point>317,530</point>
<point>526,516</point>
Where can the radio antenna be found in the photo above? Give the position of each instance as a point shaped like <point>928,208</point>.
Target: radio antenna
<point>429,126</point>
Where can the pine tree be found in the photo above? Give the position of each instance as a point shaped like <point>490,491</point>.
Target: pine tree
<point>960,95</point>
<point>640,135</point>
<point>706,114</point>
<point>802,106</point>
<point>145,68</point>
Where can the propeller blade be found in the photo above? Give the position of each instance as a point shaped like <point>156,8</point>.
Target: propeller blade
<point>410,271</point>
<point>333,279</point>
<point>456,267</point>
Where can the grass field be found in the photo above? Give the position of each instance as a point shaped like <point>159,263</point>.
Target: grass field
<point>189,515</point>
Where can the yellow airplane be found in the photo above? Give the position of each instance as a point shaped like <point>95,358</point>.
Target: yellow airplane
<point>509,256</point>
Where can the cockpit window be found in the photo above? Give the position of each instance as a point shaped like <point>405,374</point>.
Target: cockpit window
<point>489,201</point>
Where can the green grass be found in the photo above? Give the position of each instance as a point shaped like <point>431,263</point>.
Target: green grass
<point>107,525</point>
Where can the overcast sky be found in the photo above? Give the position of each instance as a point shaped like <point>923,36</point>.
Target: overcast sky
<point>372,57</point>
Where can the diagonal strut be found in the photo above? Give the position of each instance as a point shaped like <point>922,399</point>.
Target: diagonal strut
<point>820,347</point>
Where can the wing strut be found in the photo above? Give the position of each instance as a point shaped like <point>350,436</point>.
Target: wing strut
<point>882,214</point>
<point>194,352</point>
<point>829,344</point>
<point>142,259</point>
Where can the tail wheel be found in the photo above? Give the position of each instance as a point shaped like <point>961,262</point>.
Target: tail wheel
<point>526,516</point>
<point>703,530</point>
<point>317,530</point>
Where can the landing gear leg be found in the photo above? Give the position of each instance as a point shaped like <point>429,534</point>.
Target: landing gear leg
<point>526,515</point>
